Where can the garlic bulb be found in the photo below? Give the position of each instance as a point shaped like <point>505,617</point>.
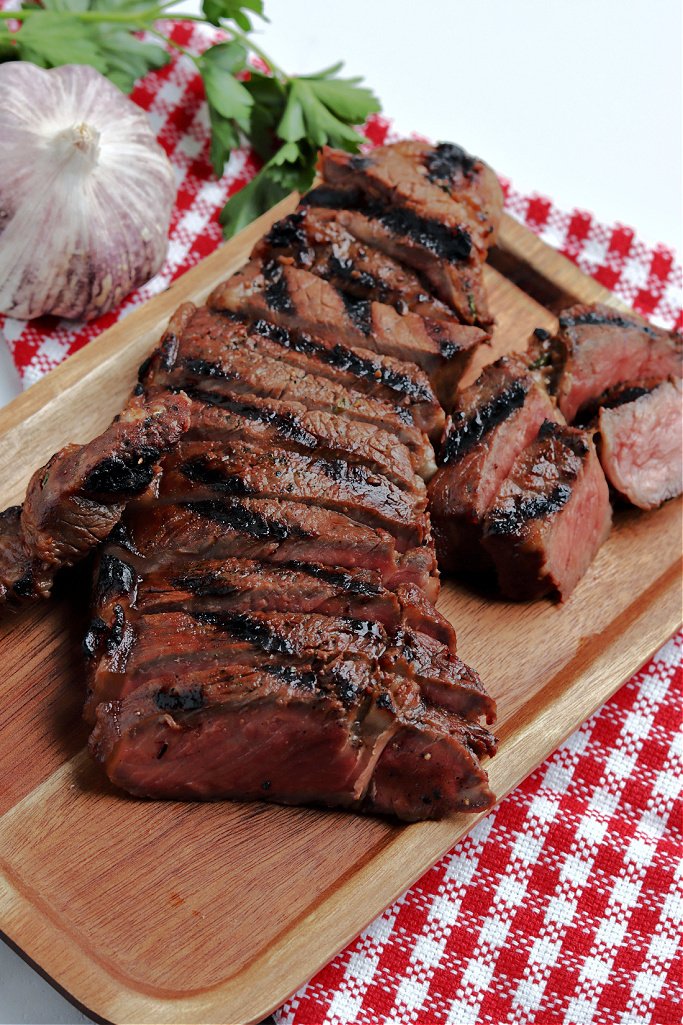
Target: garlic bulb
<point>85,193</point>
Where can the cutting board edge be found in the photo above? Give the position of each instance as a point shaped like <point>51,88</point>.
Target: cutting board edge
<point>225,999</point>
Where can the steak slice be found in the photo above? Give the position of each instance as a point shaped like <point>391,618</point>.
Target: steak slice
<point>247,585</point>
<point>251,733</point>
<point>298,300</point>
<point>273,362</point>
<point>270,423</point>
<point>73,501</point>
<point>273,531</point>
<point>202,471</point>
<point>597,348</point>
<point>314,239</point>
<point>640,442</point>
<point>550,516</point>
<point>492,422</point>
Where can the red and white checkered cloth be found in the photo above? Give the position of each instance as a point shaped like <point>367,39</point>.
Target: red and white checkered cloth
<point>564,905</point>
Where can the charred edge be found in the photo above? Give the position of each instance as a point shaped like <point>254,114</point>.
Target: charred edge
<point>116,579</point>
<point>94,637</point>
<point>569,438</point>
<point>276,293</point>
<point>605,320</point>
<point>285,424</point>
<point>115,475</point>
<point>198,472</point>
<point>205,585</point>
<point>345,271</point>
<point>116,629</point>
<point>120,536</point>
<point>190,700</point>
<point>204,368</point>
<point>24,587</point>
<point>288,233</point>
<point>339,470</point>
<point>239,518</point>
<point>627,395</point>
<point>346,360</point>
<point>292,676</point>
<point>465,434</point>
<point>511,520</point>
<point>143,369</point>
<point>451,244</point>
<point>344,581</point>
<point>541,334</point>
<point>244,628</point>
<point>332,199</point>
<point>359,312</point>
<point>447,162</point>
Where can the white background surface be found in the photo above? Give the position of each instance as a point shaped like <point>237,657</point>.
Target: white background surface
<point>577,99</point>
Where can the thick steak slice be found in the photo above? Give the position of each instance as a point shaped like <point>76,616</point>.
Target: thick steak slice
<point>202,471</point>
<point>73,501</point>
<point>438,184</point>
<point>267,360</point>
<point>254,734</point>
<point>247,585</point>
<point>550,516</point>
<point>640,443</point>
<point>270,530</point>
<point>314,239</point>
<point>298,300</point>
<point>271,423</point>
<point>597,348</point>
<point>492,422</point>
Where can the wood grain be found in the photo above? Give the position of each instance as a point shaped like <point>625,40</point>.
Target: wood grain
<point>167,912</point>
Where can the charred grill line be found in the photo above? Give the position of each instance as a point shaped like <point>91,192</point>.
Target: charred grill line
<point>466,433</point>
<point>508,520</point>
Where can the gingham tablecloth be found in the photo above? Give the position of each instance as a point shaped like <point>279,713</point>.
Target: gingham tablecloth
<point>564,905</point>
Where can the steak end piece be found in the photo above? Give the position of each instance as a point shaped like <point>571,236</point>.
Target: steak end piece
<point>597,348</point>
<point>640,443</point>
<point>73,502</point>
<point>550,516</point>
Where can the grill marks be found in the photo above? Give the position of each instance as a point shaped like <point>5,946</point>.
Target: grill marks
<point>264,625</point>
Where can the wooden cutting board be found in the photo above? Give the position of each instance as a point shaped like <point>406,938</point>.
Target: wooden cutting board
<point>162,912</point>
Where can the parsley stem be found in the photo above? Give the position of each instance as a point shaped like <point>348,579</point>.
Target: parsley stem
<point>255,48</point>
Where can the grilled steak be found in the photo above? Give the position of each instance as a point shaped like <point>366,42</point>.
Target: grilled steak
<point>314,239</point>
<point>222,354</point>
<point>550,516</point>
<point>598,348</point>
<point>640,442</point>
<point>298,300</point>
<point>346,740</point>
<point>263,623</point>
<point>73,501</point>
<point>492,422</point>
<point>434,208</point>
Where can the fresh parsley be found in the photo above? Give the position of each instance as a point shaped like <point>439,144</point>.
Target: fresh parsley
<point>286,119</point>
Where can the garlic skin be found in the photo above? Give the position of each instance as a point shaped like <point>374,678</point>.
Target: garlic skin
<point>86,193</point>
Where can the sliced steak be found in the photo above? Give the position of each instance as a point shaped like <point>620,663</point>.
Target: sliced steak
<point>437,209</point>
<point>270,423</point>
<point>550,516</point>
<point>273,362</point>
<point>254,734</point>
<point>492,422</point>
<point>298,300</point>
<point>597,348</point>
<point>204,471</point>
<point>73,501</point>
<point>274,531</point>
<point>314,239</point>
<point>640,442</point>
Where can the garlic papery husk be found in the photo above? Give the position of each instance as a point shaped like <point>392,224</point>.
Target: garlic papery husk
<point>85,193</point>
